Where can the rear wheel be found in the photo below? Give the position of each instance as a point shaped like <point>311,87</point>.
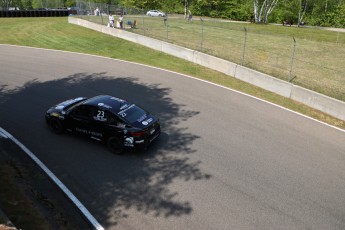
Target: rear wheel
<point>115,145</point>
<point>56,126</point>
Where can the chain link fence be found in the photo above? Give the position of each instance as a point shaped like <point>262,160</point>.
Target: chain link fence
<point>312,58</point>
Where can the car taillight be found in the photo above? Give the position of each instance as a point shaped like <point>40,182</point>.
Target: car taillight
<point>137,134</point>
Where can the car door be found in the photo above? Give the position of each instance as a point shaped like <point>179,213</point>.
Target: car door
<point>80,120</point>
<point>106,124</point>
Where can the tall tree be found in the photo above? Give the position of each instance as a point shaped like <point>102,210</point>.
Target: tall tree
<point>143,4</point>
<point>302,10</point>
<point>27,4</point>
<point>262,9</point>
<point>6,4</point>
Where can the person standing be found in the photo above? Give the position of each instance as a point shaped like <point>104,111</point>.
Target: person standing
<point>165,20</point>
<point>111,20</point>
<point>121,21</point>
<point>97,12</point>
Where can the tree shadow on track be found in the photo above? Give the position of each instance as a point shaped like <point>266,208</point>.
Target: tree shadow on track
<point>107,184</point>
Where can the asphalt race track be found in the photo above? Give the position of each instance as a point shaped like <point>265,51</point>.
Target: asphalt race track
<point>224,161</point>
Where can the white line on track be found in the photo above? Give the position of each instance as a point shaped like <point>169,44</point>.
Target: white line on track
<point>69,194</point>
<point>3,135</point>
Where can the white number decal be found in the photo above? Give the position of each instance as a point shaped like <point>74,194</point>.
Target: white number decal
<point>100,114</point>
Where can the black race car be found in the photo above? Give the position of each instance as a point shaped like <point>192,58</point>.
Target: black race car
<point>104,118</point>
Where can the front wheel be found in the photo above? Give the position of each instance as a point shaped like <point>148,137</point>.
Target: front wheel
<point>115,145</point>
<point>56,126</point>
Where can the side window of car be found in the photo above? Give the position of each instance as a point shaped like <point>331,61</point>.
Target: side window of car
<point>111,119</point>
<point>82,112</point>
<point>114,120</point>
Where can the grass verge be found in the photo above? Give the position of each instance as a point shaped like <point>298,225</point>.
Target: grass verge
<point>56,33</point>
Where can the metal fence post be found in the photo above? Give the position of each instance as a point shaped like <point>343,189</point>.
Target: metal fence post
<point>244,45</point>
<point>166,27</point>
<point>292,57</point>
<point>100,13</point>
<point>143,22</point>
<point>202,34</point>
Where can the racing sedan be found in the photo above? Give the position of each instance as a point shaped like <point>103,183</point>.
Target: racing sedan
<point>108,119</point>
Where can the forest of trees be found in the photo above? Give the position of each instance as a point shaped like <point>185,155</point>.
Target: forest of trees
<point>330,13</point>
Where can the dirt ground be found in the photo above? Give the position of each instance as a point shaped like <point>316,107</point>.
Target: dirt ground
<point>29,198</point>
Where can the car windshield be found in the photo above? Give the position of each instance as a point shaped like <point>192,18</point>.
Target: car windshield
<point>132,114</point>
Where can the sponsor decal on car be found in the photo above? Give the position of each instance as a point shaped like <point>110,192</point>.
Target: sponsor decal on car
<point>122,113</point>
<point>146,122</point>
<point>104,105</point>
<point>61,117</point>
<point>89,132</point>
<point>124,106</point>
<point>152,131</point>
<point>129,141</point>
<point>139,142</point>
<point>100,116</point>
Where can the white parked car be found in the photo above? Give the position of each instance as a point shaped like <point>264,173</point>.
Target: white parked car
<point>155,13</point>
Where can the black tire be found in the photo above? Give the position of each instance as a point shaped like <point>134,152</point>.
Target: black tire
<point>115,145</point>
<point>56,126</point>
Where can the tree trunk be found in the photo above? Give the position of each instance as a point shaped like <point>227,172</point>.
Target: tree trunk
<point>265,10</point>
<point>185,8</point>
<point>302,12</point>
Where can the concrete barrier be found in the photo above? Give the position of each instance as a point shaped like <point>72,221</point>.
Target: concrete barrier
<point>319,101</point>
<point>264,81</point>
<point>178,51</point>
<point>215,63</point>
<point>315,100</point>
<point>151,43</point>
<point>93,26</point>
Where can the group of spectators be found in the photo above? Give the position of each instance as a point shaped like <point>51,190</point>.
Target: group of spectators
<point>119,22</point>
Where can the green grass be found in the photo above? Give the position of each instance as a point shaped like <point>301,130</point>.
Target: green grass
<point>56,33</point>
<point>319,54</point>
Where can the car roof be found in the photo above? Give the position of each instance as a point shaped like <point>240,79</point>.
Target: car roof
<point>106,102</point>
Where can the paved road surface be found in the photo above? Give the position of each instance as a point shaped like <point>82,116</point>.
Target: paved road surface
<point>224,161</point>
